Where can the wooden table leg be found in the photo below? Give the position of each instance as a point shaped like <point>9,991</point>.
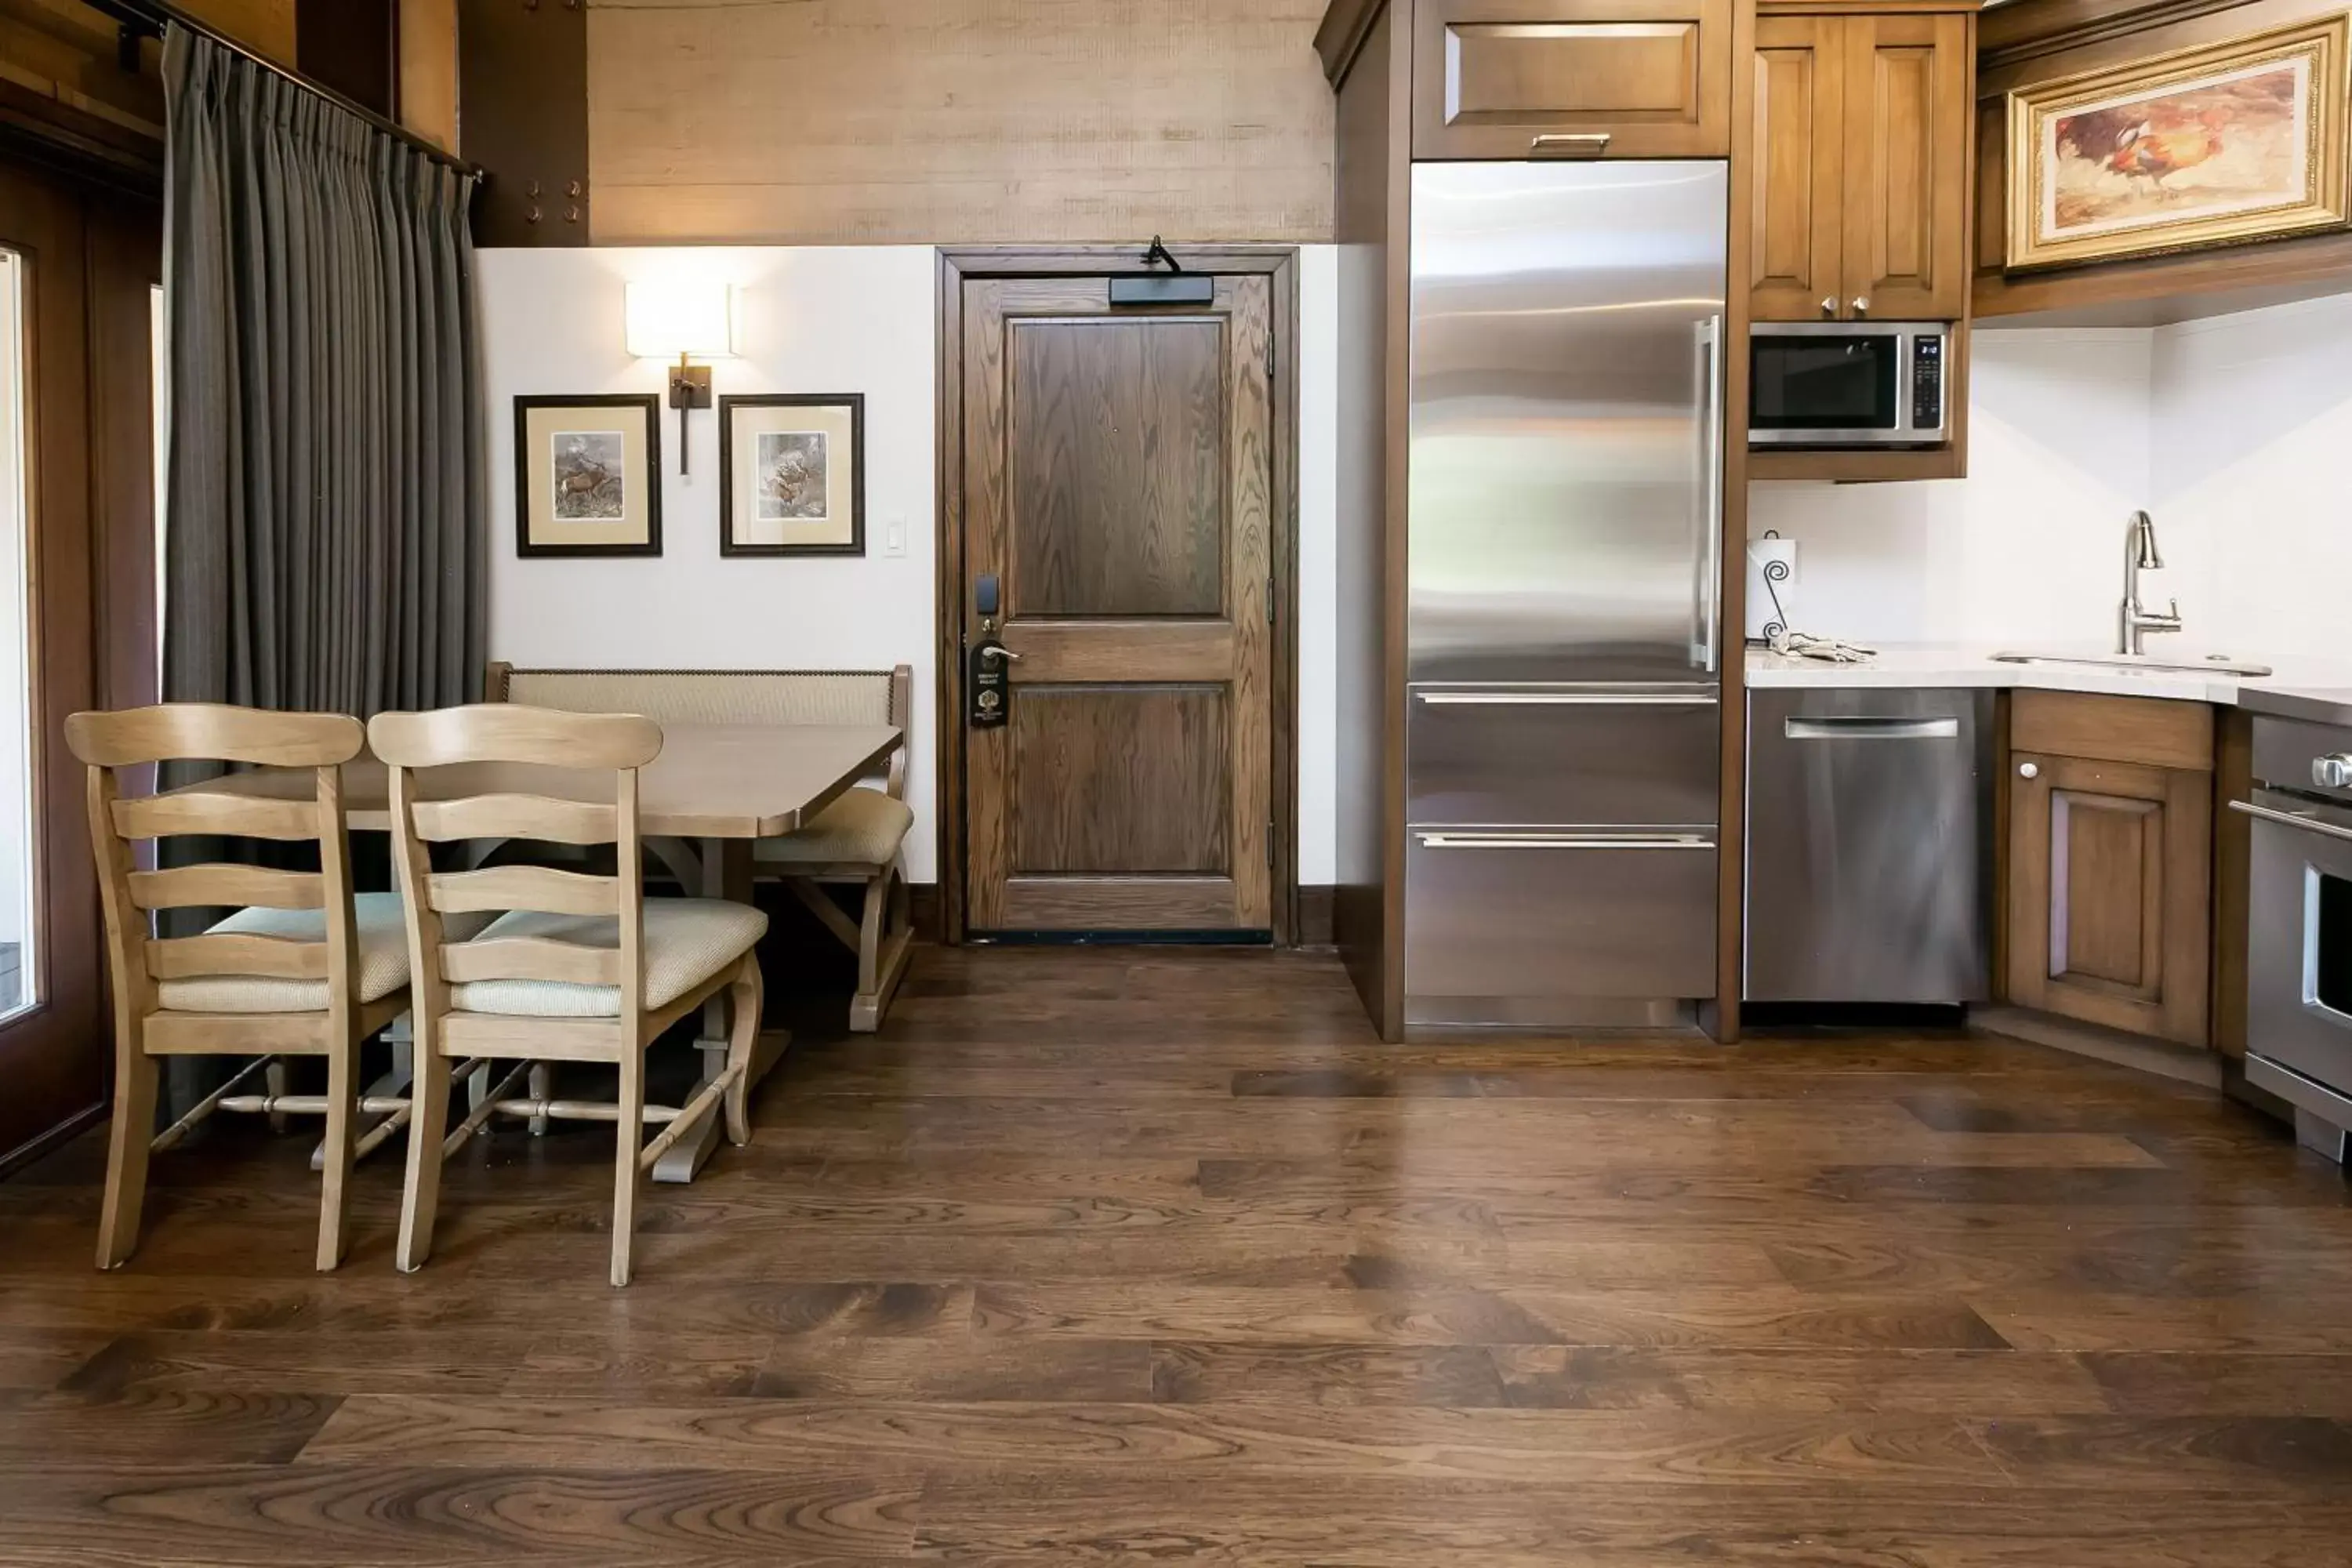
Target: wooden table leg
<point>726,874</point>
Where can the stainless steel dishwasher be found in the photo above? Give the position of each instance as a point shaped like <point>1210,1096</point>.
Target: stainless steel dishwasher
<point>1869,845</point>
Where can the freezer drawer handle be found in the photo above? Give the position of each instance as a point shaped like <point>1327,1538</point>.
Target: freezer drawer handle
<point>1563,700</point>
<point>1871,729</point>
<point>2291,819</point>
<point>1565,841</point>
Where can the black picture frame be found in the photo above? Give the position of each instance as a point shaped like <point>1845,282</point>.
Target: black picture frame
<point>853,401</point>
<point>650,404</point>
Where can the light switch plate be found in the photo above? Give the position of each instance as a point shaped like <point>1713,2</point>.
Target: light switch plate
<point>894,536</point>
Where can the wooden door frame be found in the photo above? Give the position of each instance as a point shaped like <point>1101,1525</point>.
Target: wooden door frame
<point>89,523</point>
<point>1278,263</point>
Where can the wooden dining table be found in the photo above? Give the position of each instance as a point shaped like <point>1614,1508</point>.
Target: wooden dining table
<point>713,793</point>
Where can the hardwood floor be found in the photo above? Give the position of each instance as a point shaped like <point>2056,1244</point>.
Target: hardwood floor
<point>1099,1256</point>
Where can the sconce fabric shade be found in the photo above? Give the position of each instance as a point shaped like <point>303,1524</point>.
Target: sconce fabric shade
<point>669,319</point>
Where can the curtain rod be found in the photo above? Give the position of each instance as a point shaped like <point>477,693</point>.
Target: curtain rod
<point>150,17</point>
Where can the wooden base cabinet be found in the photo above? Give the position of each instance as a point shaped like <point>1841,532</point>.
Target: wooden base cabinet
<point>2110,855</point>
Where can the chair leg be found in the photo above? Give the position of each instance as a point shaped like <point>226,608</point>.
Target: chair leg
<point>335,1171</point>
<point>886,937</point>
<point>135,1076</point>
<point>276,1081</point>
<point>628,1138</point>
<point>746,995</point>
<point>428,1123</point>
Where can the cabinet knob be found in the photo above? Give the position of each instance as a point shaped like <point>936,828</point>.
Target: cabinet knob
<point>2029,770</point>
<point>1862,304</point>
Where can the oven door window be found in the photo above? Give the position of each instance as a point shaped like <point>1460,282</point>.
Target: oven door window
<point>1800,382</point>
<point>2327,943</point>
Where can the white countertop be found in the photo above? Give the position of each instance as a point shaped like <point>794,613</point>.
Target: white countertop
<point>1930,665</point>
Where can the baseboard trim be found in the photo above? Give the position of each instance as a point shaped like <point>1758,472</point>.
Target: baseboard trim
<point>2164,1059</point>
<point>1314,916</point>
<point>33,1148</point>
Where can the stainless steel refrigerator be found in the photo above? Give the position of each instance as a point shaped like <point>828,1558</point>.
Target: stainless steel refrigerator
<point>1564,639</point>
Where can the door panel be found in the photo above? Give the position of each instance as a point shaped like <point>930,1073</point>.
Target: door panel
<point>1906,178</point>
<point>1118,419</point>
<point>2110,875</point>
<point>1799,170</point>
<point>1117,475</point>
<point>1121,778</point>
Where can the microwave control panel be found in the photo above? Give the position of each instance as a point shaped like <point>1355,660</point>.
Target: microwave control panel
<point>1927,381</point>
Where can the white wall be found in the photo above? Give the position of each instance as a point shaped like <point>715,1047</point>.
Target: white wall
<point>2231,432</point>
<point>850,319</point>
<point>2252,415</point>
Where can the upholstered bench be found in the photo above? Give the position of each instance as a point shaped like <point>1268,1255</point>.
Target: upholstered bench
<point>859,839</point>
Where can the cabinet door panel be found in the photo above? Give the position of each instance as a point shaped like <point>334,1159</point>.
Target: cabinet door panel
<point>1519,79</point>
<point>2108,885</point>
<point>1907,125</point>
<point>1798,213</point>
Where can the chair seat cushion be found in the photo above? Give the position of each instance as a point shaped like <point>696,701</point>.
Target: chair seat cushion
<point>864,827</point>
<point>688,940</point>
<point>383,961</point>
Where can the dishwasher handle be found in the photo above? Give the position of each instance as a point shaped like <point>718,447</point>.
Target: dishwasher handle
<point>1843,729</point>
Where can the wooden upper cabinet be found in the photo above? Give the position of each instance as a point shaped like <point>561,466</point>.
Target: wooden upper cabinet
<point>1863,132</point>
<point>1798,231</point>
<point>1908,120</point>
<point>1531,78</point>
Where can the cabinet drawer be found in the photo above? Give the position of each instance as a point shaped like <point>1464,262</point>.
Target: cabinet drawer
<point>1558,757</point>
<point>1521,78</point>
<point>1566,917</point>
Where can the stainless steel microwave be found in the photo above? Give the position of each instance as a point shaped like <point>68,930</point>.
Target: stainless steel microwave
<point>1847,383</point>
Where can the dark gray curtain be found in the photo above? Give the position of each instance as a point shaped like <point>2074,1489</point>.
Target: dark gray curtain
<point>324,487</point>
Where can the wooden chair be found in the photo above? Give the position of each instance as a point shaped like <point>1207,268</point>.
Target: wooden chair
<point>303,970</point>
<point>575,967</point>
<point>858,841</point>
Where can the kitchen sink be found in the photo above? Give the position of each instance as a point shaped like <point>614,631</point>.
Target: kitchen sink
<point>2212,663</point>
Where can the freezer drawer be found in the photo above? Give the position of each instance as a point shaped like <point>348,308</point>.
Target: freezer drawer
<point>1560,756</point>
<point>1580,925</point>
<point>1869,846</point>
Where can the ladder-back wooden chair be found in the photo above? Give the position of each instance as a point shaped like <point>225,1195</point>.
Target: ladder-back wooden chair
<point>303,969</point>
<point>856,841</point>
<point>575,967</point>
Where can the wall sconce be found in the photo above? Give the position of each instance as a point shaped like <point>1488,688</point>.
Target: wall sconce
<point>682,320</point>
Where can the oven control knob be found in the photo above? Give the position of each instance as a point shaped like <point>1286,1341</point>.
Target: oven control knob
<point>2333,772</point>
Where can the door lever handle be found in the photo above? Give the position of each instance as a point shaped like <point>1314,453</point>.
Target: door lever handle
<point>995,650</point>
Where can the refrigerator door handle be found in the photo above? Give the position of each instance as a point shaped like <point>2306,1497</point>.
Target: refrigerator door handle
<point>1473,839</point>
<point>1711,438</point>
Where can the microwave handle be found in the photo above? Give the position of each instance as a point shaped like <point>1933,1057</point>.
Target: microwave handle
<point>1711,437</point>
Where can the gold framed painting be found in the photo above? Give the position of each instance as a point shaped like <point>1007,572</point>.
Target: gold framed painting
<point>2219,144</point>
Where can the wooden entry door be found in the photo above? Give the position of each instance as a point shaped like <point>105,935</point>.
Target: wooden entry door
<point>1119,486</point>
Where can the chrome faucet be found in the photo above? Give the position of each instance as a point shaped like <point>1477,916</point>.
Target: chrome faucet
<point>2135,622</point>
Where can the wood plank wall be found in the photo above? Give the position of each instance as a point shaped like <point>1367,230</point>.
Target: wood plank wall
<point>873,121</point>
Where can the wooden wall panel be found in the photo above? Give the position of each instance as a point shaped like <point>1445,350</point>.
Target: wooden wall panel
<point>267,25</point>
<point>870,122</point>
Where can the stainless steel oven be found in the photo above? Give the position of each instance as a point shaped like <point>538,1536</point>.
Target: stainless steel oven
<point>2299,925</point>
<point>1847,384</point>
